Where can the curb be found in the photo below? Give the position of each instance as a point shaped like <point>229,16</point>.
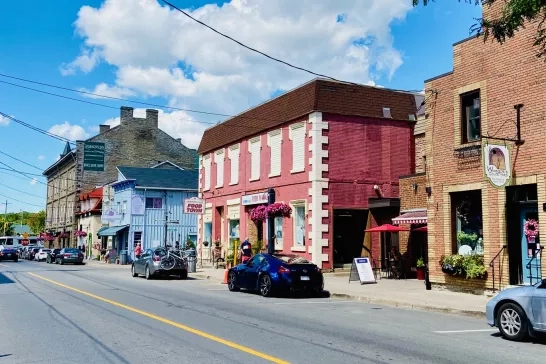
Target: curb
<point>407,305</point>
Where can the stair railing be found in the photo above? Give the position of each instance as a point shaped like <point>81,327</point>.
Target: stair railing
<point>536,254</point>
<point>492,265</point>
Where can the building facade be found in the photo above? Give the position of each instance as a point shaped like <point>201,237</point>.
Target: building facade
<point>327,151</point>
<point>134,142</point>
<point>148,208</point>
<point>89,220</point>
<point>487,184</point>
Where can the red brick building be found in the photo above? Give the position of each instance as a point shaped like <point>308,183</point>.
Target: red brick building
<point>322,147</point>
<point>485,189</point>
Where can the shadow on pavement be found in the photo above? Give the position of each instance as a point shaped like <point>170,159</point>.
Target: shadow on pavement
<point>292,295</point>
<point>540,339</point>
<point>4,355</point>
<point>4,280</point>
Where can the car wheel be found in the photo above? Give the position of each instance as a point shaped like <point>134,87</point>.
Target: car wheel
<point>512,322</point>
<point>232,282</point>
<point>265,285</point>
<point>147,273</point>
<point>133,272</point>
<point>57,261</point>
<point>184,274</point>
<point>61,262</point>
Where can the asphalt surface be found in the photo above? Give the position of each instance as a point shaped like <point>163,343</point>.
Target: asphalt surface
<point>70,314</point>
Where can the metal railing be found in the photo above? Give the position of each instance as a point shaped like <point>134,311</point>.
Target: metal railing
<point>537,266</point>
<point>492,265</point>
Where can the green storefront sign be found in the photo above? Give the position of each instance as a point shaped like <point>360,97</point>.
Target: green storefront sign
<point>93,156</point>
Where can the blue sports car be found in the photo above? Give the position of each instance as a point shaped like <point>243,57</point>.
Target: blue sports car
<point>519,312</point>
<point>272,274</point>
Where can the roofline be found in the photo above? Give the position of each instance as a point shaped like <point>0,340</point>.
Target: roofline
<point>165,188</point>
<point>169,162</point>
<point>45,172</point>
<point>438,77</point>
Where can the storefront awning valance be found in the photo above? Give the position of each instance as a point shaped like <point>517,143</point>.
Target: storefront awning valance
<point>411,217</point>
<point>111,231</point>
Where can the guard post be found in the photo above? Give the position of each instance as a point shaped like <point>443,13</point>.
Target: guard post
<point>270,224</point>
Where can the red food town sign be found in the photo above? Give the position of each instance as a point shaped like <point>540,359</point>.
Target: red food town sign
<point>194,205</point>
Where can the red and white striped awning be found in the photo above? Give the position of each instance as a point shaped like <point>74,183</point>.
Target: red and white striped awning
<point>411,217</point>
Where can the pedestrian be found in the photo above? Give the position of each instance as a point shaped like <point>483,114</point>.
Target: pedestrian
<point>245,250</point>
<point>138,251</point>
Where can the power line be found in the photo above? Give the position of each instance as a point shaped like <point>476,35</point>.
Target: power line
<point>267,55</point>
<point>23,173</point>
<point>23,202</point>
<point>28,164</point>
<point>42,131</point>
<point>15,189</point>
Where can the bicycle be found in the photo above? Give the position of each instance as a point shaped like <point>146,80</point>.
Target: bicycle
<point>169,260</point>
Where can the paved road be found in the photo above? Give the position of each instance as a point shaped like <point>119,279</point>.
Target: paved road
<point>69,314</point>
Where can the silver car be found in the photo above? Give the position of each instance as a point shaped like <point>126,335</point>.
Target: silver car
<point>519,312</point>
<point>149,264</point>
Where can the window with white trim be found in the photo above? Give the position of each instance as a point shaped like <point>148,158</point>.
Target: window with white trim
<point>233,155</point>
<point>299,224</point>
<point>206,171</point>
<point>219,160</point>
<point>255,149</point>
<point>297,135</point>
<point>277,225</point>
<point>274,141</point>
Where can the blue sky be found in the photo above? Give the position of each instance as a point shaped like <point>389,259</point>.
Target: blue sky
<point>40,40</point>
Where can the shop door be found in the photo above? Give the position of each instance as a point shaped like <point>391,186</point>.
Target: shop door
<point>530,267</point>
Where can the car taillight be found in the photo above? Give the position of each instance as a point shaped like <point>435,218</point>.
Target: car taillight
<point>67,255</point>
<point>80,255</point>
<point>283,270</point>
<point>156,258</point>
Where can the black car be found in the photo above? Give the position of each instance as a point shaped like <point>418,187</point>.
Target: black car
<point>32,252</point>
<point>9,254</point>
<point>51,256</point>
<point>69,255</point>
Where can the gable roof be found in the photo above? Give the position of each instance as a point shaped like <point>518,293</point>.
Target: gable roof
<point>317,95</point>
<point>167,163</point>
<point>21,229</point>
<point>159,178</point>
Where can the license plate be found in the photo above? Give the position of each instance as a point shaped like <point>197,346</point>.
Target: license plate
<point>304,278</point>
<point>74,255</point>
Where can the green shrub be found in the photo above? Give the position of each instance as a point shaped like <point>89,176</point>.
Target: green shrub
<point>470,266</point>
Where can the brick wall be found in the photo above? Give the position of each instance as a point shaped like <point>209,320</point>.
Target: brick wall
<point>506,75</point>
<point>411,198</point>
<point>420,153</point>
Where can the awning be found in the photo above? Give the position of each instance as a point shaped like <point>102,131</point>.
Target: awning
<point>111,231</point>
<point>411,217</point>
<point>386,228</point>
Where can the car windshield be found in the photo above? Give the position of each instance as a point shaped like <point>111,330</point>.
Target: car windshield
<point>36,250</point>
<point>71,251</point>
<point>291,259</point>
<point>56,250</point>
<point>46,250</point>
<point>160,252</point>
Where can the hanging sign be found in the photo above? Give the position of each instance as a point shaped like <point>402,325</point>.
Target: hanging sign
<point>361,270</point>
<point>496,164</point>
<point>254,199</point>
<point>194,205</point>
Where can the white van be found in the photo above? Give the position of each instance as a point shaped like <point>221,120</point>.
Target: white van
<point>18,241</point>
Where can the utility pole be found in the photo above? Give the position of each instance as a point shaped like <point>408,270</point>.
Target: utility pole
<point>5,215</point>
<point>21,220</point>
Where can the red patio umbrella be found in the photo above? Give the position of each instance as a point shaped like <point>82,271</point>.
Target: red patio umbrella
<point>423,229</point>
<point>386,228</point>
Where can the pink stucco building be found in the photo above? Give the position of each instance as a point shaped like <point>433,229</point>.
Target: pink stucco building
<point>322,147</point>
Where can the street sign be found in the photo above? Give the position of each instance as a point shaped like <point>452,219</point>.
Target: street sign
<point>25,235</point>
<point>194,205</point>
<point>93,156</point>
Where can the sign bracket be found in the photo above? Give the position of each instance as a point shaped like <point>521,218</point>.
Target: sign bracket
<point>518,141</point>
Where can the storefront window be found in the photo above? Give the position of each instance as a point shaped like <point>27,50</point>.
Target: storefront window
<point>467,222</point>
<point>278,231</point>
<point>299,225</point>
<point>207,233</point>
<point>234,237</point>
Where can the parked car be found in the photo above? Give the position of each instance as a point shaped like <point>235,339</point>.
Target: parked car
<point>50,259</point>
<point>149,264</point>
<point>9,253</point>
<point>272,274</point>
<point>519,312</point>
<point>41,254</point>
<point>69,255</point>
<point>31,253</point>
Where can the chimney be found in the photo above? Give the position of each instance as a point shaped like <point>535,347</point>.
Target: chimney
<point>126,114</point>
<point>103,128</point>
<point>152,117</point>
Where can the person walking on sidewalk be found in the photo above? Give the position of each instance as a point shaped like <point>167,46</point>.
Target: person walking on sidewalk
<point>138,251</point>
<point>245,250</point>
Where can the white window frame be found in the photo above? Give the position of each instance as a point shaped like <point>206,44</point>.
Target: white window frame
<point>207,161</point>
<point>293,205</point>
<point>220,164</point>
<point>270,135</point>
<point>234,153</point>
<point>251,142</point>
<point>290,135</point>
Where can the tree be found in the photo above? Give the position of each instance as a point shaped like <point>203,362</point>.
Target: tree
<point>36,221</point>
<point>512,19</point>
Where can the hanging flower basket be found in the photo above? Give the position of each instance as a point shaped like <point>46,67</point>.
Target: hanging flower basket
<point>80,233</point>
<point>259,213</point>
<point>279,209</point>
<point>46,237</point>
<point>530,229</point>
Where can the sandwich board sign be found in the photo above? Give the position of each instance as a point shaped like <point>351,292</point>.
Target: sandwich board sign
<point>361,270</point>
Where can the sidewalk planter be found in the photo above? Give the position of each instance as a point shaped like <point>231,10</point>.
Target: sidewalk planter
<point>420,269</point>
<point>468,266</point>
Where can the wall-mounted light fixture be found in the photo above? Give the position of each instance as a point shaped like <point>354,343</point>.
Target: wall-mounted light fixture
<point>428,189</point>
<point>414,185</point>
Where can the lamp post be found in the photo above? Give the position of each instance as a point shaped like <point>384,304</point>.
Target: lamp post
<point>270,224</point>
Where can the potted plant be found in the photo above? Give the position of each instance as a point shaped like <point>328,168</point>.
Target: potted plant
<point>421,269</point>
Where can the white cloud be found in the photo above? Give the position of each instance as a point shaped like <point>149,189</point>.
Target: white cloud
<point>68,131</point>
<point>4,121</point>
<point>159,52</point>
<point>177,124</point>
<point>41,157</point>
<point>33,181</point>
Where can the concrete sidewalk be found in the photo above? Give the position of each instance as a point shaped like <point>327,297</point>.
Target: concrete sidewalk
<point>398,293</point>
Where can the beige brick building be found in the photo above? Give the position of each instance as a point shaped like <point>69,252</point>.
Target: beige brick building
<point>484,190</point>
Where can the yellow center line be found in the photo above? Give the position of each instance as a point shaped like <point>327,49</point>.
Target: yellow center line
<point>169,322</point>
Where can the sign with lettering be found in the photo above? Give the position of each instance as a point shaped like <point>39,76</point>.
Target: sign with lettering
<point>137,205</point>
<point>93,156</point>
<point>194,205</point>
<point>496,164</point>
<point>361,270</point>
<point>254,199</point>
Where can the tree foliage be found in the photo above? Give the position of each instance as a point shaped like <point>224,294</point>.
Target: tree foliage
<point>35,220</point>
<point>513,18</point>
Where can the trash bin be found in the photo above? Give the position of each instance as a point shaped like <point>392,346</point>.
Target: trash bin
<point>192,264</point>
<point>123,257</point>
